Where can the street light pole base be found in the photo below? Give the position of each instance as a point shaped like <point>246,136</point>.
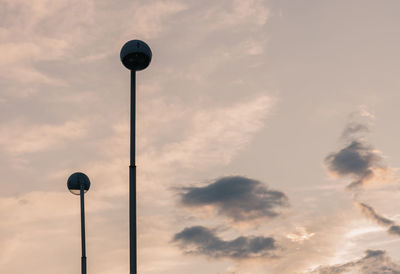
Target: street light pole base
<point>83,265</point>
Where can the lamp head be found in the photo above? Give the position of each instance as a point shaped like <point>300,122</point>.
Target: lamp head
<point>136,55</point>
<point>76,180</point>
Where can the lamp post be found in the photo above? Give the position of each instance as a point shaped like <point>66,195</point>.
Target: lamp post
<point>78,184</point>
<point>135,55</point>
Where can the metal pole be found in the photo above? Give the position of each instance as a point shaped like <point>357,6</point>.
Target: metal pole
<point>132,181</point>
<point>82,194</point>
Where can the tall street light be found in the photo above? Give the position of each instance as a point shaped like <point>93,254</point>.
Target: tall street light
<point>135,55</point>
<point>78,184</point>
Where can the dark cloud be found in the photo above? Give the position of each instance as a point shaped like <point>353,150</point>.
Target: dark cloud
<point>374,261</point>
<point>394,229</point>
<point>380,220</point>
<point>239,198</point>
<point>203,241</point>
<point>372,214</point>
<point>356,160</point>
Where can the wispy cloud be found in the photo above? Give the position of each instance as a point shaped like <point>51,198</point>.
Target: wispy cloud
<point>212,136</point>
<point>18,138</point>
<point>150,16</point>
<point>374,261</point>
<point>300,235</point>
<point>239,12</point>
<point>239,198</point>
<point>50,64</point>
<point>33,222</point>
<point>203,241</point>
<point>39,38</point>
<point>371,213</point>
<point>68,31</point>
<point>353,128</point>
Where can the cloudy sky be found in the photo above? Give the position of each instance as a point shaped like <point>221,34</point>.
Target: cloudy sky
<point>267,139</point>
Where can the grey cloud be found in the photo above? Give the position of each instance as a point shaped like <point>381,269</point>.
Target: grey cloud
<point>203,241</point>
<point>239,198</point>
<point>374,261</point>
<point>356,160</point>
<point>372,214</point>
<point>394,229</point>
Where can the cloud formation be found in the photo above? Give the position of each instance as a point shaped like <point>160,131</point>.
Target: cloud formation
<point>356,160</point>
<point>353,128</point>
<point>212,136</point>
<point>371,213</point>
<point>201,240</point>
<point>48,81</point>
<point>20,138</point>
<point>374,261</point>
<point>239,198</point>
<point>394,229</point>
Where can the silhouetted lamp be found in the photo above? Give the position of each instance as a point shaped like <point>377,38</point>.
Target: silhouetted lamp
<point>78,184</point>
<point>135,55</point>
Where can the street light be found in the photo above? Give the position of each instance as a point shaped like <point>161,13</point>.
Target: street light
<point>78,184</point>
<point>135,55</point>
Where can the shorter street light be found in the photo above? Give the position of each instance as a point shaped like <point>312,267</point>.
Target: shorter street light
<point>78,184</point>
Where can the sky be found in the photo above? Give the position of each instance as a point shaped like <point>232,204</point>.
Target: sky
<point>266,135</point>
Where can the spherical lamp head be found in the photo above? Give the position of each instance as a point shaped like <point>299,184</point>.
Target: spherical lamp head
<point>136,55</point>
<point>76,180</point>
